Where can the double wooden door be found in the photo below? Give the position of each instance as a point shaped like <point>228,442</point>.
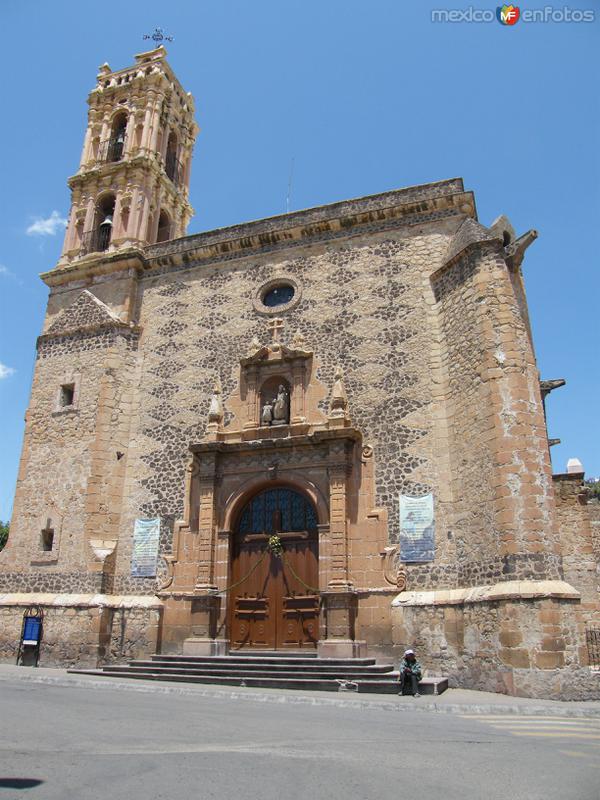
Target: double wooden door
<point>274,598</point>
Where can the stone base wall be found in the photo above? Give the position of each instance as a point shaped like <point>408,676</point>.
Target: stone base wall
<point>594,511</point>
<point>46,580</point>
<point>83,631</point>
<point>574,515</point>
<point>374,624</point>
<point>525,646</point>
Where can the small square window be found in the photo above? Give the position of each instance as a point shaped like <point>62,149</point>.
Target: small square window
<point>67,394</point>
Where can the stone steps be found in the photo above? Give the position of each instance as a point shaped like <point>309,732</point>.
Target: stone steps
<point>269,671</point>
<point>347,675</point>
<point>236,664</point>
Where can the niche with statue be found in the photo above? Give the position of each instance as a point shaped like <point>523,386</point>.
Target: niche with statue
<point>275,402</point>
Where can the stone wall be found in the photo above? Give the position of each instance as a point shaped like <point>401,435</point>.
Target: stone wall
<point>594,512</point>
<point>522,645</point>
<point>502,520</point>
<point>82,630</point>
<point>362,309</point>
<point>366,305</point>
<point>580,563</point>
<point>416,303</point>
<point>471,459</point>
<point>73,460</point>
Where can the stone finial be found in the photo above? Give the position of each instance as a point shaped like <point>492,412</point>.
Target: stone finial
<point>298,342</point>
<point>254,346</point>
<point>103,71</point>
<point>574,466</point>
<point>215,411</point>
<point>338,405</point>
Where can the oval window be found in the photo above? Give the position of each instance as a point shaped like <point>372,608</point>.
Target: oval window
<point>278,296</point>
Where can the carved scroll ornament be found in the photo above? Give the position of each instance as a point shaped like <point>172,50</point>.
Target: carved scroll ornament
<point>393,572</point>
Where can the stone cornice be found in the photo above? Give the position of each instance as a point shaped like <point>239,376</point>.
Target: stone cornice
<point>417,205</point>
<point>95,265</point>
<point>411,206</point>
<point>284,442</point>
<point>98,328</point>
<point>65,600</point>
<point>123,171</point>
<point>508,590</point>
<point>161,73</point>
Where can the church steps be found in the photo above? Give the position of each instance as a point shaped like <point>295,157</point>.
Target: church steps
<point>429,686</point>
<point>261,665</point>
<point>276,654</point>
<point>316,674</point>
<point>256,663</point>
<point>252,659</point>
<point>269,672</point>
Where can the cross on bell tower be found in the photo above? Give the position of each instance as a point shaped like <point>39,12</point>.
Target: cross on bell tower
<point>132,186</point>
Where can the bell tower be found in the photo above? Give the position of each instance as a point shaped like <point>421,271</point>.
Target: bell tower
<point>132,185</point>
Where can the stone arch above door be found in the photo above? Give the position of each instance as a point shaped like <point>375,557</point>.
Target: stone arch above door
<point>277,509</point>
<point>235,503</point>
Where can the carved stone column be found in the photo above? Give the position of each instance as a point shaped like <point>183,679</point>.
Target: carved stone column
<point>339,600</point>
<point>155,124</point>
<point>338,540</point>
<point>252,399</point>
<point>129,136</point>
<point>204,603</point>
<point>298,411</point>
<point>147,130</point>
<point>205,552</point>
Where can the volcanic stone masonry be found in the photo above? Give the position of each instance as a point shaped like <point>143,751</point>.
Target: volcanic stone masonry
<point>405,349</point>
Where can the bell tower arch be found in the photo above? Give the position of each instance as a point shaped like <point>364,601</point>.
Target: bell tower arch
<point>132,186</point>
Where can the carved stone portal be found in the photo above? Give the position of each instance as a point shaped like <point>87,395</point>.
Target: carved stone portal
<point>278,438</point>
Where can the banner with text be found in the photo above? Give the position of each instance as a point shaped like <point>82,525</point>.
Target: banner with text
<point>146,534</point>
<point>417,528</point>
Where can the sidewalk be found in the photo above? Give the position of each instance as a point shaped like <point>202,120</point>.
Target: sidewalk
<point>452,701</point>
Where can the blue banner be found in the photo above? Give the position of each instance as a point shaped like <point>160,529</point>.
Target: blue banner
<point>144,557</point>
<point>417,528</point>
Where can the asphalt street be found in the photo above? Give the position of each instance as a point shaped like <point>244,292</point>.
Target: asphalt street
<point>87,744</point>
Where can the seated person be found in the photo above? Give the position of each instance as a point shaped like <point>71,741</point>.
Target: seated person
<point>410,674</point>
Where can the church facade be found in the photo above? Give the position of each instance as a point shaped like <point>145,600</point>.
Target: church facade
<point>319,431</point>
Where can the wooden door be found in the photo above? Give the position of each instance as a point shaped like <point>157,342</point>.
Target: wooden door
<point>274,598</point>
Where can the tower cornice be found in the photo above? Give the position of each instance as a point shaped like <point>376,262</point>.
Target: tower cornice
<point>143,163</point>
<point>151,67</point>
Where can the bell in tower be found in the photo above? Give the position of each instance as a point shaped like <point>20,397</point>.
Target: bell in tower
<point>132,186</point>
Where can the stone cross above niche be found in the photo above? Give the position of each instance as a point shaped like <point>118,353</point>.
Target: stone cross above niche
<point>275,326</point>
<point>274,380</point>
<point>278,394</point>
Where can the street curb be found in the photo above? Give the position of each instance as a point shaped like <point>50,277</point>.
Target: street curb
<point>308,700</point>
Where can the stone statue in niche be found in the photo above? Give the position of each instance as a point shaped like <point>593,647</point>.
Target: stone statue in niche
<point>281,407</point>
<point>267,414</point>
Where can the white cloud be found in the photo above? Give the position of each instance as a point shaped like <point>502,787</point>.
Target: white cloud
<point>47,227</point>
<point>6,272</point>
<point>5,372</point>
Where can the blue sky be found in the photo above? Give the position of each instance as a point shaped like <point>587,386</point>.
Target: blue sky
<point>364,97</point>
